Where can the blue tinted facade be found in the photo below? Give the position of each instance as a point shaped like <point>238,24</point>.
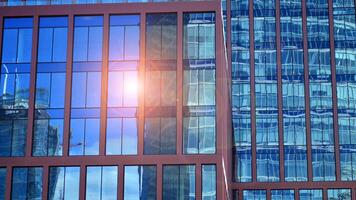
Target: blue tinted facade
<point>116,99</point>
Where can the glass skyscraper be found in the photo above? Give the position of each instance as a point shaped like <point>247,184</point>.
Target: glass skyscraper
<point>178,100</point>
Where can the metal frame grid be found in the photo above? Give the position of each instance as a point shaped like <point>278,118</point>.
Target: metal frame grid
<point>222,158</point>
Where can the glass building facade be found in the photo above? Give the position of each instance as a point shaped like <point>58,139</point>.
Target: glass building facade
<point>178,100</point>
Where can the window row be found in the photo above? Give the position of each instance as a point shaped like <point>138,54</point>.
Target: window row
<point>287,194</point>
<point>101,182</point>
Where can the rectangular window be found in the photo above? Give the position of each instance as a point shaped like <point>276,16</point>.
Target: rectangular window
<point>86,85</point>
<point>50,86</point>
<point>282,194</point>
<point>295,163</point>
<point>15,84</point>
<point>122,123</point>
<point>101,182</point>
<point>254,194</point>
<point>140,183</point>
<point>199,134</point>
<point>121,136</point>
<point>243,163</point>
<point>84,136</point>
<point>199,83</point>
<point>160,84</point>
<point>267,164</point>
<point>26,183</point>
<point>240,32</point>
<point>208,182</point>
<point>313,194</point>
<point>178,182</point>
<point>339,194</point>
<point>240,88</point>
<point>13,135</point>
<point>160,135</point>
<point>64,183</point>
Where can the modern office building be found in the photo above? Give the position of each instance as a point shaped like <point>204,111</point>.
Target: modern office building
<point>178,100</point>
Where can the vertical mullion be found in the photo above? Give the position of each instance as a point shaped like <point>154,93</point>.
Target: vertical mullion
<point>31,106</point>
<point>159,181</point>
<point>252,93</point>
<point>45,182</point>
<point>198,181</point>
<point>268,192</point>
<point>69,60</point>
<point>334,93</point>
<point>279,92</point>
<point>180,73</point>
<point>141,77</point>
<point>296,194</point>
<point>120,182</point>
<point>8,181</point>
<point>104,85</point>
<point>306,90</point>
<point>325,194</point>
<point>82,182</point>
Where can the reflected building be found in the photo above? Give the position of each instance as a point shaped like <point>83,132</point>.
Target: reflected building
<point>171,100</point>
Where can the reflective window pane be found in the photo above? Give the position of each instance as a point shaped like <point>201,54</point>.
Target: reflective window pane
<point>140,183</point>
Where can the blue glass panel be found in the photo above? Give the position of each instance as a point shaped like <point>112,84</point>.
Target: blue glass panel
<point>80,46</point>
<point>19,137</point>
<point>24,46</point>
<point>64,183</point>
<point>113,136</point>
<point>10,42</point>
<point>115,89</point>
<point>77,132</point>
<point>60,45</point>
<point>45,44</point>
<point>5,137</point>
<point>132,46</point>
<point>43,90</point>
<point>129,145</point>
<point>79,89</point>
<point>58,90</point>
<point>27,182</point>
<point>92,131</point>
<point>2,182</point>
<point>208,182</point>
<point>101,183</point>
<point>116,43</point>
<point>53,21</point>
<point>95,43</point>
<point>18,22</point>
<point>88,21</point>
<point>93,89</point>
<point>122,20</point>
<point>93,183</point>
